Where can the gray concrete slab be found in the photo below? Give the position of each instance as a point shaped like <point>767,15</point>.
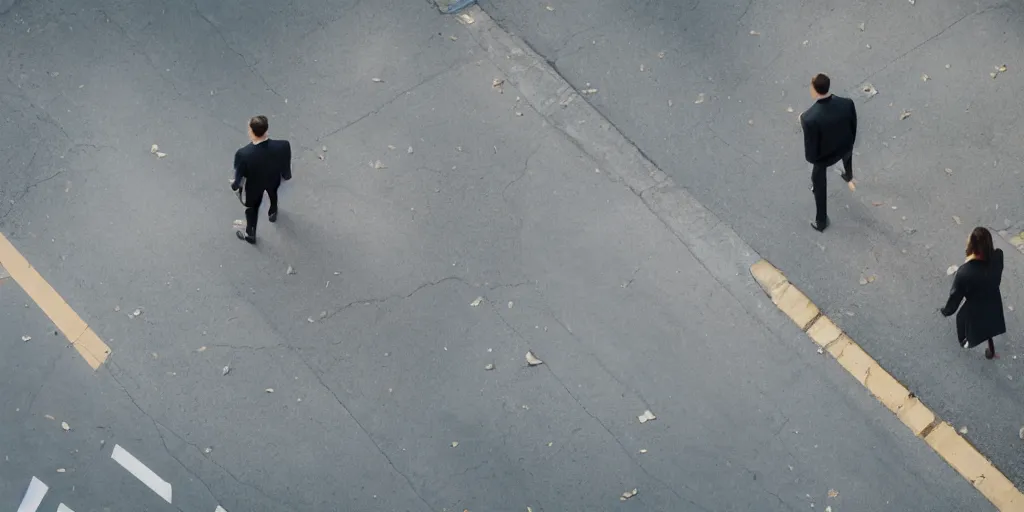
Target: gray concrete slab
<point>739,152</point>
<point>375,353</point>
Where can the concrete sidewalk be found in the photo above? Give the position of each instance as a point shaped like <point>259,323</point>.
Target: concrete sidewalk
<point>439,227</point>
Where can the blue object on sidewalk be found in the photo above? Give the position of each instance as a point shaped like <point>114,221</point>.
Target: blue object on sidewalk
<point>459,5</point>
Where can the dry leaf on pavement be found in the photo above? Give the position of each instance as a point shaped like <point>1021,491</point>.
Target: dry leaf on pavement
<point>154,148</point>
<point>26,338</point>
<point>863,281</point>
<point>377,165</point>
<point>61,470</point>
<point>476,302</point>
<point>957,220</point>
<point>466,19</point>
<point>64,425</point>
<point>550,8</point>
<point>869,90</point>
<point>377,80</point>
<point>588,91</point>
<point>455,444</point>
<point>137,312</point>
<point>490,366</point>
<point>201,349</point>
<point>1001,69</point>
<point>647,416</point>
<point>289,270</point>
<point>627,495</point>
<point>117,308</point>
<point>269,390</point>
<point>951,270</point>
<point>789,109</point>
<point>861,26</point>
<point>1020,433</point>
<point>160,155</point>
<point>905,114</point>
<point>661,55</point>
<point>925,78</point>
<point>963,430</point>
<point>643,450</point>
<point>754,33</point>
<point>226,370</point>
<point>532,360</point>
<point>949,171</point>
<point>700,99</point>
<point>832,493</point>
<point>453,38</point>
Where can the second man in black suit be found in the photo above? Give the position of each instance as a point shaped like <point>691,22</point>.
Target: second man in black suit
<point>259,168</point>
<point>830,129</point>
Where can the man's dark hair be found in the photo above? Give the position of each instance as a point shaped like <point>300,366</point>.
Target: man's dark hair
<point>259,125</point>
<point>821,83</point>
<point>980,244</point>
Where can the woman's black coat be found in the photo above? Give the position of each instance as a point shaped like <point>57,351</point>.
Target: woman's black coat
<point>981,316</point>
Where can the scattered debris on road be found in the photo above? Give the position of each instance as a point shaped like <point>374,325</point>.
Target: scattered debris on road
<point>476,302</point>
<point>269,390</point>
<point>26,338</point>
<point>377,165</point>
<point>455,444</point>
<point>201,349</point>
<point>957,220</point>
<point>627,495</point>
<point>1020,433</point>
<point>552,9</point>
<point>510,304</point>
<point>289,270</point>
<point>832,493</point>
<point>949,171</point>
<point>49,417</point>
<point>497,83</point>
<point>465,19</point>
<point>999,69</point>
<point>117,309</point>
<point>963,430</point>
<point>208,450</point>
<point>951,270</point>
<point>925,78</point>
<point>643,450</point>
<point>647,416</point>
<point>700,99</point>
<point>136,313</point>
<point>64,425</point>
<point>377,80</point>
<point>661,55</point>
<point>409,150</point>
<point>868,90</point>
<point>861,27</point>
<point>754,33</point>
<point>532,360</point>
<point>905,114</point>
<point>489,366</point>
<point>588,91</point>
<point>226,370</point>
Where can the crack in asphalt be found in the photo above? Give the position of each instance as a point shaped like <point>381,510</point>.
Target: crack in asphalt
<point>135,46</point>
<point>376,110</point>
<point>933,37</point>
<point>366,432</point>
<point>526,166</point>
<point>157,425</point>
<point>625,451</point>
<point>381,300</point>
<point>251,67</point>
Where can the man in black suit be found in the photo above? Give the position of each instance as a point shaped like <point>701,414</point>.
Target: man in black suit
<point>830,129</point>
<point>260,167</point>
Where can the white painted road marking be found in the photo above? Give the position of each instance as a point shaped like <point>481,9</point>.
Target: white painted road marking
<point>140,471</point>
<point>63,508</point>
<point>33,496</point>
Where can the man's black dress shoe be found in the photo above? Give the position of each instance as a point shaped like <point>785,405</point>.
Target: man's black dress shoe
<point>820,226</point>
<point>273,216</point>
<point>243,236</point>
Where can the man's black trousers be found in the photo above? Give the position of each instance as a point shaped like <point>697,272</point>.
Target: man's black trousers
<point>253,199</point>
<point>819,183</point>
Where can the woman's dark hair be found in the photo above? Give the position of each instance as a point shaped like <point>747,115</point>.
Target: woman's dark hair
<point>980,243</point>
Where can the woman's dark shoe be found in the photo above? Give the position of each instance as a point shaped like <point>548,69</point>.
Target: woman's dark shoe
<point>990,352</point>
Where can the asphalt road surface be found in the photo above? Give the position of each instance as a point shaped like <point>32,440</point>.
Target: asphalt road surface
<point>437,230</point>
<point>938,153</point>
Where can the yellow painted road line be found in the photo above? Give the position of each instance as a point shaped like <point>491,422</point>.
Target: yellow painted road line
<point>85,341</point>
<point>938,434</point>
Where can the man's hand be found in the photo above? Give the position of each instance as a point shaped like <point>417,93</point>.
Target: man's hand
<point>852,184</point>
<point>233,186</point>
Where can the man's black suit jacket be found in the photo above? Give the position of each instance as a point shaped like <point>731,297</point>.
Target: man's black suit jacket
<point>263,166</point>
<point>830,129</point>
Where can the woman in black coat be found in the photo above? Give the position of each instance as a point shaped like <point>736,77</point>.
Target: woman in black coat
<point>977,280</point>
